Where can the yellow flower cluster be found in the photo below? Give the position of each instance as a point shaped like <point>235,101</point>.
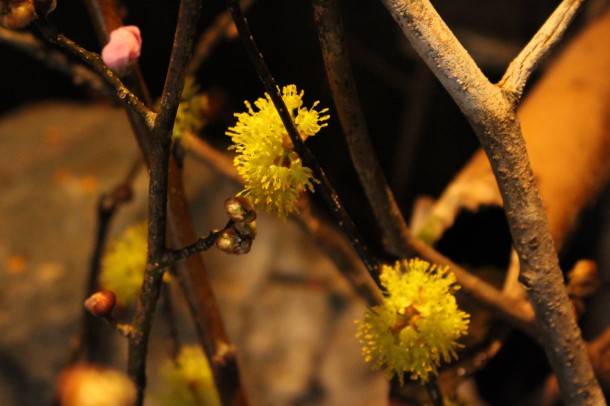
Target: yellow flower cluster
<point>123,264</point>
<point>272,171</point>
<point>188,380</point>
<point>190,117</point>
<point>418,323</point>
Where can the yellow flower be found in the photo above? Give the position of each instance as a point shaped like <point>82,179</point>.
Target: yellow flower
<point>190,117</point>
<point>418,323</point>
<point>272,171</point>
<point>123,264</point>
<point>188,380</point>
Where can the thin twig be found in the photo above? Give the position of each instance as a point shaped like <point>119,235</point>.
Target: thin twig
<point>190,273</point>
<point>334,244</point>
<point>340,78</point>
<point>516,312</point>
<point>87,342</point>
<point>27,43</point>
<point>212,157</point>
<point>200,297</point>
<point>551,32</point>
<point>329,238</point>
<point>436,397</point>
<point>96,63</point>
<point>492,113</point>
<point>212,37</point>
<point>188,16</point>
<point>325,188</point>
<point>105,17</point>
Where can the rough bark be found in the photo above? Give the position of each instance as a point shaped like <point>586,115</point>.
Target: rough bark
<point>564,120</point>
<point>492,113</point>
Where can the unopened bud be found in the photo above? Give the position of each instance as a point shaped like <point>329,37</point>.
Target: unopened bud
<point>243,247</point>
<point>228,241</point>
<point>123,48</point>
<point>239,208</point>
<point>16,14</point>
<point>247,230</point>
<point>231,242</point>
<point>100,304</point>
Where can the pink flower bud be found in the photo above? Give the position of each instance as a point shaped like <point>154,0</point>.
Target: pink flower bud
<point>123,48</point>
<point>100,304</point>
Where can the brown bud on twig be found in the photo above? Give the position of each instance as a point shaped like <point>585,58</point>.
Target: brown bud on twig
<point>227,241</point>
<point>243,247</point>
<point>100,304</point>
<point>232,242</point>
<point>247,230</point>
<point>239,209</point>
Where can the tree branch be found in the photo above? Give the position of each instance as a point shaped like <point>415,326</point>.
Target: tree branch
<point>158,186</point>
<point>219,29</point>
<point>30,45</point>
<point>516,312</point>
<point>551,32</point>
<point>190,273</point>
<point>492,113</point>
<point>324,187</point>
<point>340,78</point>
<point>95,61</point>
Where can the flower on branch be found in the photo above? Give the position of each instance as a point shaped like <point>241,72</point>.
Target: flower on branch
<point>273,173</point>
<point>124,262</point>
<point>188,380</point>
<point>123,48</point>
<point>191,115</point>
<point>418,323</point>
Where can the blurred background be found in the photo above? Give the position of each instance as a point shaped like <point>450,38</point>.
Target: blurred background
<point>419,134</point>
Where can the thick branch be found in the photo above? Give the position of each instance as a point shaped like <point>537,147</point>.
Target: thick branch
<point>340,77</point>
<point>492,114</point>
<point>548,35</point>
